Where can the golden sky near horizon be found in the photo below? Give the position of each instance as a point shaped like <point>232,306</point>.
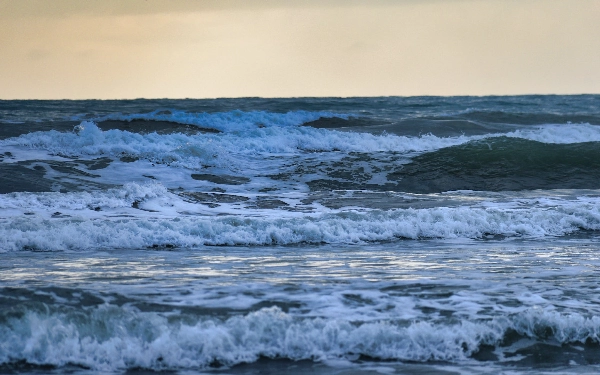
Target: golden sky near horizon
<point>104,49</point>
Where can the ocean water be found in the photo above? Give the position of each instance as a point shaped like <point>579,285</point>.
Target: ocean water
<point>421,235</point>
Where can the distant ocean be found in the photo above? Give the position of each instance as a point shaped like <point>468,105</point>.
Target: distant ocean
<point>391,235</point>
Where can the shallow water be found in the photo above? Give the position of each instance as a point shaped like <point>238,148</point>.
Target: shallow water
<point>406,306</point>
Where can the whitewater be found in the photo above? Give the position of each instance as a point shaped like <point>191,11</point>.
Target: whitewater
<point>325,235</point>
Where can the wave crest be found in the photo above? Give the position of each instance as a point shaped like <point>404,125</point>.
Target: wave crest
<point>116,338</point>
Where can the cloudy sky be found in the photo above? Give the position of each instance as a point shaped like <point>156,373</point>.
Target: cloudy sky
<point>280,48</point>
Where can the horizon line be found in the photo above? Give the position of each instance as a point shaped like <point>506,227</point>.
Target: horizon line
<point>299,97</point>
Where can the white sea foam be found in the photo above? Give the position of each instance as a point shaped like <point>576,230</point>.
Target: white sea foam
<point>111,198</point>
<point>165,220</point>
<point>90,140</point>
<point>229,149</point>
<point>116,338</point>
<point>564,134</point>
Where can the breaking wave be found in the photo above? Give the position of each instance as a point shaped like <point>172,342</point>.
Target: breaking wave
<point>148,216</point>
<point>109,337</point>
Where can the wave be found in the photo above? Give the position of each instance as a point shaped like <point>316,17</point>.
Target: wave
<point>503,163</point>
<point>227,121</point>
<point>91,140</point>
<point>545,157</point>
<point>548,128</point>
<point>149,217</point>
<point>561,134</point>
<point>109,338</point>
<point>110,198</point>
<point>218,149</point>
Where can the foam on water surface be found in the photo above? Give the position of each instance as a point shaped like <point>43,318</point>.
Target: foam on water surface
<point>276,157</point>
<point>361,234</point>
<point>147,215</point>
<point>111,338</point>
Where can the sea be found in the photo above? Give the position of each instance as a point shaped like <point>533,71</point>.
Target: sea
<point>380,235</point>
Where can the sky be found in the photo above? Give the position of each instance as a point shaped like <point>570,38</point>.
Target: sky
<point>117,49</point>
